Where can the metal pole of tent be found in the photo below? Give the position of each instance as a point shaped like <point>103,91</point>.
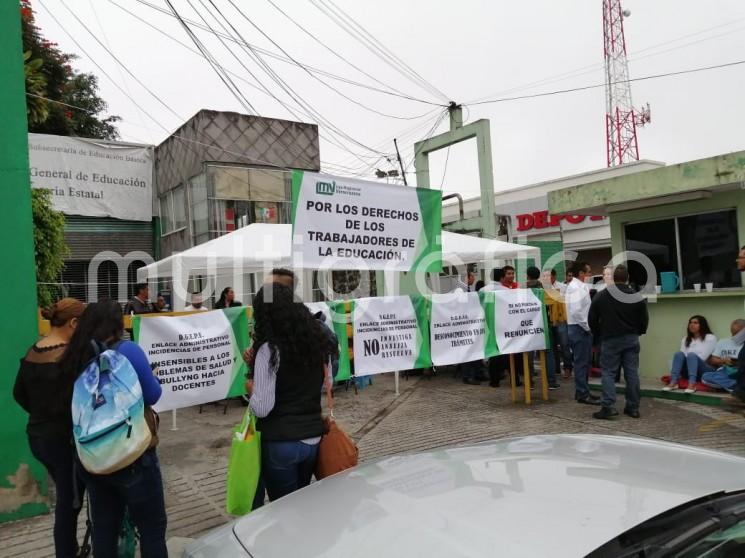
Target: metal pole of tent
<point>173,421</point>
<point>396,379</point>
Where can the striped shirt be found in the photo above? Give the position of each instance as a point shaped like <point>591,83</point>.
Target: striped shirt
<point>265,385</point>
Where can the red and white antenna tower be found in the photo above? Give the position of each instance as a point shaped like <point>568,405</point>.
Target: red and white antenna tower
<point>621,120</point>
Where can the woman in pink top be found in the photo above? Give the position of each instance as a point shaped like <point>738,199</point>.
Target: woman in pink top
<point>695,350</point>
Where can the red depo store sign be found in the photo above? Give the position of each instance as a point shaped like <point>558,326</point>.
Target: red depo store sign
<point>542,220</point>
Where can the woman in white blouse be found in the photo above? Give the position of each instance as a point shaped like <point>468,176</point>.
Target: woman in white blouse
<point>695,350</point>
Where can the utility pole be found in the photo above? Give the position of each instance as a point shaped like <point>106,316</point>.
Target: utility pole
<point>400,164</point>
<point>21,477</point>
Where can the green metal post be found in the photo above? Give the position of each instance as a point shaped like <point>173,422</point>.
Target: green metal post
<point>458,133</point>
<point>22,480</point>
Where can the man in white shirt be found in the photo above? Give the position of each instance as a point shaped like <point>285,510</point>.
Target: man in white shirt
<point>577,299</point>
<point>469,284</point>
<point>197,305</point>
<point>724,359</point>
<point>496,281</point>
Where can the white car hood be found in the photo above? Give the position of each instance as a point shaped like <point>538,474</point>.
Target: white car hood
<point>559,496</point>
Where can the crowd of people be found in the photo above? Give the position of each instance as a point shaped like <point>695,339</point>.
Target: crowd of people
<point>291,360</point>
<point>583,319</point>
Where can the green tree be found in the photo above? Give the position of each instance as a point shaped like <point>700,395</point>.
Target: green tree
<point>79,110</point>
<point>49,245</point>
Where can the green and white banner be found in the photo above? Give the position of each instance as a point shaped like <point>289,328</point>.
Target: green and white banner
<point>519,319</point>
<point>336,319</point>
<point>356,224</point>
<point>197,357</point>
<point>457,328</point>
<point>390,333</point>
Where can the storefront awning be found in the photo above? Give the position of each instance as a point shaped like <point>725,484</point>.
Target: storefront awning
<point>694,180</point>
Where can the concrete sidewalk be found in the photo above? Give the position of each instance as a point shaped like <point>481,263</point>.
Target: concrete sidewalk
<point>430,413</point>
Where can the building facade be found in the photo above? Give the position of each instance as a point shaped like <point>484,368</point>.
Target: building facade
<point>678,228</point>
<point>523,216</point>
<point>221,171</point>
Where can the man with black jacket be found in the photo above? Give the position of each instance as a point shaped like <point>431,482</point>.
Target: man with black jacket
<point>618,316</point>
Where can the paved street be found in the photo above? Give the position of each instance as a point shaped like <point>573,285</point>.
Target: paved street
<point>429,413</point>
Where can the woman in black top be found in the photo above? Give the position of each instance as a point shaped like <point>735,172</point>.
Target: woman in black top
<point>45,395</point>
<point>227,299</point>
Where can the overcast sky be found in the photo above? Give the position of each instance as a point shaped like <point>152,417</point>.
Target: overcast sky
<point>468,50</point>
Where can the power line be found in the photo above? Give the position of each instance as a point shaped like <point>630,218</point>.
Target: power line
<point>364,37</point>
<point>261,87</point>
<point>285,60</point>
<point>119,62</point>
<point>596,86</point>
<point>104,72</point>
<point>232,87</point>
<point>290,91</point>
<point>445,170</point>
<point>311,74</point>
<point>329,49</point>
<point>590,68</point>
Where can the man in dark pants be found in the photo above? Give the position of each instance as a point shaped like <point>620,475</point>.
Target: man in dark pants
<point>577,299</point>
<point>618,316</point>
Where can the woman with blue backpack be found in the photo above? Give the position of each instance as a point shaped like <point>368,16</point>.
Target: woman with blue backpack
<point>115,431</point>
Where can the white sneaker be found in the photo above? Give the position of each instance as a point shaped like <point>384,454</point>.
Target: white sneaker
<point>670,387</point>
<point>690,389</point>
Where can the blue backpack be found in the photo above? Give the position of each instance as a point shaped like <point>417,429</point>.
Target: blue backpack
<point>108,413</point>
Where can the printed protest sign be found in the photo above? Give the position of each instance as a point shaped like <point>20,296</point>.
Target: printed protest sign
<point>364,225</point>
<point>519,321</point>
<point>457,328</point>
<point>390,334</point>
<point>93,177</point>
<point>336,319</point>
<point>197,358</point>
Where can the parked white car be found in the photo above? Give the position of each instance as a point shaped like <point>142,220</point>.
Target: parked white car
<point>534,497</point>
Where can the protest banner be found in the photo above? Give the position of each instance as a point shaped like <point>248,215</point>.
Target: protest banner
<point>457,328</point>
<point>197,357</point>
<point>519,318</point>
<point>368,225</point>
<point>390,333</point>
<point>93,177</point>
<point>336,319</point>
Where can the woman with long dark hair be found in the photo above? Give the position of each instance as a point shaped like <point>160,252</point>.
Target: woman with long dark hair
<point>695,349</point>
<point>292,357</point>
<point>43,392</point>
<point>138,487</point>
<point>227,299</point>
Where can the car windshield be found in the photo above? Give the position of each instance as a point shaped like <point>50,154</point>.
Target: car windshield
<point>724,543</point>
<point>711,527</point>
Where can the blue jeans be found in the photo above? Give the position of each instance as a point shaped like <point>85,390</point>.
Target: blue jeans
<point>139,489</point>
<point>615,352</point>
<point>580,342</point>
<point>562,339</point>
<point>689,362</point>
<point>58,456</point>
<point>719,378</point>
<point>287,466</point>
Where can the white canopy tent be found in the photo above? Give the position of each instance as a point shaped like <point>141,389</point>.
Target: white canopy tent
<point>259,247</point>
